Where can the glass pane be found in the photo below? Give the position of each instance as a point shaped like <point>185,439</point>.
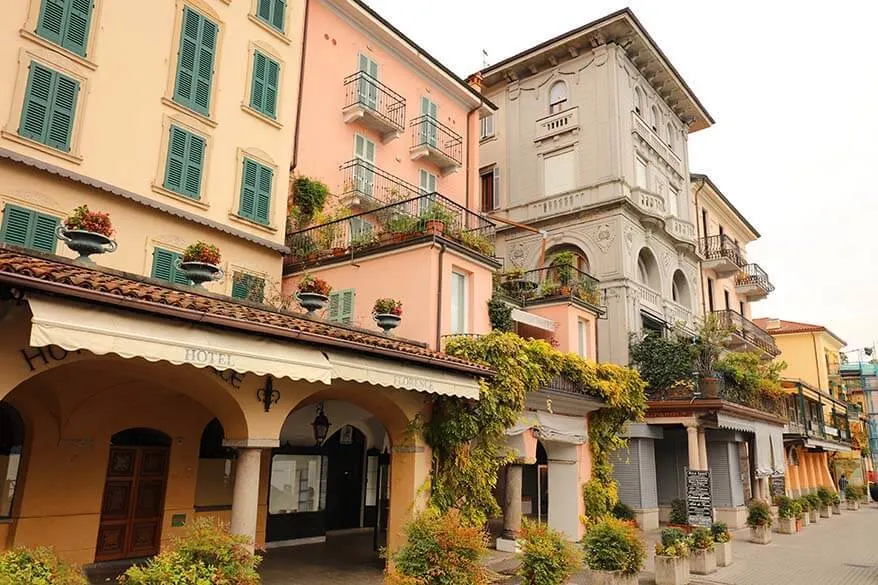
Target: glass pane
<point>371,481</point>
<point>215,482</point>
<point>8,473</point>
<point>297,484</point>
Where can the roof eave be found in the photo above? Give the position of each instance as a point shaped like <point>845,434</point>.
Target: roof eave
<point>703,177</point>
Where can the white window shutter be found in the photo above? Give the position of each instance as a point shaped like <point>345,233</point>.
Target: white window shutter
<point>496,202</point>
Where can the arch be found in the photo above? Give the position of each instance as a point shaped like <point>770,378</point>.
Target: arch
<point>557,97</point>
<point>141,437</point>
<point>671,136</point>
<point>581,261</point>
<point>638,101</point>
<point>11,447</point>
<point>648,270</point>
<point>655,119</point>
<point>680,290</point>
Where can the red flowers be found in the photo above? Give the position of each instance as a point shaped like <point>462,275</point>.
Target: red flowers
<point>202,252</point>
<point>312,284</point>
<point>89,221</point>
<point>388,307</point>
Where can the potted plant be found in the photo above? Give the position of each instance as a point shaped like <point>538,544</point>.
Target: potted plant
<point>613,552</point>
<point>787,510</point>
<point>852,497</point>
<point>200,263</point>
<point>813,507</point>
<point>435,219</point>
<point>702,560</point>
<point>759,521</point>
<point>399,227</point>
<point>87,232</point>
<point>672,558</point>
<point>313,293</point>
<point>825,496</point>
<point>723,540</point>
<point>480,243</point>
<point>804,516</point>
<point>679,517</point>
<point>387,313</point>
<point>709,345</point>
<point>836,504</point>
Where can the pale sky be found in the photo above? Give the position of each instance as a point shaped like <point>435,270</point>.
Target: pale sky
<point>793,91</point>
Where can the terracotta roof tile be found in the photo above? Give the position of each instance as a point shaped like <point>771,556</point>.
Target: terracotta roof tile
<point>144,292</point>
<point>781,327</point>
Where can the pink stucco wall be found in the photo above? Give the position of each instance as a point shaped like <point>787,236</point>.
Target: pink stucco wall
<point>566,315</point>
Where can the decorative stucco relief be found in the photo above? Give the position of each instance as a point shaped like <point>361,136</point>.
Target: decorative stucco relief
<point>604,237</point>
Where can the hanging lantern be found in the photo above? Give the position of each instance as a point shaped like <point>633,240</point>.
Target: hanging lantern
<point>321,426</point>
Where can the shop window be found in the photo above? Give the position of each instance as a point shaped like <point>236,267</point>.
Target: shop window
<point>216,469</point>
<point>11,442</point>
<point>298,484</point>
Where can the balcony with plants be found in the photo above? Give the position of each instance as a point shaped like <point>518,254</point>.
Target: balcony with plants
<point>436,143</point>
<point>745,335</point>
<point>366,187</point>
<point>813,414</point>
<point>721,254</point>
<point>752,283</point>
<point>374,105</point>
<point>559,282</point>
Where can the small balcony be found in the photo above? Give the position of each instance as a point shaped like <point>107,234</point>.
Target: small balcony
<point>550,284</point>
<point>752,283</point>
<point>402,224</point>
<point>374,105</point>
<point>651,205</point>
<point>365,186</point>
<point>746,335</point>
<point>557,123</point>
<point>436,143</point>
<point>682,231</point>
<point>722,255</point>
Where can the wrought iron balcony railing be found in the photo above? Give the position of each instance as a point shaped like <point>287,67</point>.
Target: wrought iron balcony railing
<point>366,182</point>
<point>721,247</point>
<point>552,282</point>
<point>364,233</point>
<point>752,276</point>
<point>748,331</point>
<point>691,391</point>
<point>364,90</point>
<point>429,132</point>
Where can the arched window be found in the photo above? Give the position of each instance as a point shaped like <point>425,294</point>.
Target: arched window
<point>670,136</point>
<point>557,97</point>
<point>680,290</point>
<point>655,119</point>
<point>647,269</point>
<point>216,468</point>
<point>638,101</point>
<point>11,442</point>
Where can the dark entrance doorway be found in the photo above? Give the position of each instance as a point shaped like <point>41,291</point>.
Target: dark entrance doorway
<point>535,487</point>
<point>134,495</point>
<point>345,451</point>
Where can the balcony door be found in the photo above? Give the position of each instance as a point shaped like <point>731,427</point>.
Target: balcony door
<point>429,129</point>
<point>368,85</point>
<point>364,174</point>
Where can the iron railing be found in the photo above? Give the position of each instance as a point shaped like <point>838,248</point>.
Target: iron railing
<point>360,234</point>
<point>690,390</point>
<point>428,131</point>
<point>747,330</point>
<point>363,89</point>
<point>365,180</point>
<point>721,246</point>
<point>558,281</point>
<point>565,385</point>
<point>754,274</point>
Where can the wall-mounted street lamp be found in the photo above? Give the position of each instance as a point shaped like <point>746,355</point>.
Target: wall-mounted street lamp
<point>267,395</point>
<point>321,426</point>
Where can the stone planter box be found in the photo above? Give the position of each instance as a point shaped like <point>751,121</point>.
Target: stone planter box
<point>671,570</point>
<point>815,516</point>
<point>836,509</point>
<point>825,512</point>
<point>760,534</point>
<point>702,562</point>
<point>723,554</point>
<point>853,505</point>
<point>786,526</point>
<point>805,518</point>
<point>610,578</point>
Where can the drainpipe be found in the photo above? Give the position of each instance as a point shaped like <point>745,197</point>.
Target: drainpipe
<point>295,160</point>
<point>699,236</point>
<point>817,361</point>
<point>439,295</point>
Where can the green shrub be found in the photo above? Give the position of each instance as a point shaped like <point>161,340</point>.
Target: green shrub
<point>679,513</point>
<point>39,566</point>
<point>612,545</point>
<point>309,196</point>
<point>623,511</point>
<point>674,543</point>
<point>804,504</point>
<point>758,514</point>
<point>813,501</point>
<point>207,553</point>
<point>702,539</point>
<point>825,496</point>
<point>500,314</point>
<point>547,558</point>
<point>720,532</point>
<point>836,499</point>
<point>599,499</point>
<point>788,507</point>
<point>440,549</point>
<point>662,361</point>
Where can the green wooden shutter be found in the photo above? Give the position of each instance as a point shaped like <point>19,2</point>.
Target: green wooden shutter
<point>28,228</point>
<point>50,25</point>
<point>248,287</point>
<point>346,311</point>
<point>263,11</point>
<point>272,12</point>
<point>271,90</point>
<point>16,225</point>
<point>194,166</point>
<point>184,166</point>
<point>49,107</point>
<point>334,305</point>
<point>63,108</point>
<point>44,236</point>
<point>66,23</point>
<point>164,267</point>
<point>195,62</point>
<point>176,162</point>
<point>263,194</point>
<point>263,92</point>
<point>249,178</point>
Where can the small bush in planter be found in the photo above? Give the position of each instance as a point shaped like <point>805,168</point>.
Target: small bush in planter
<point>207,553</point>
<point>702,539</point>
<point>679,514</point>
<point>312,284</point>
<point>202,252</point>
<point>387,306</point>
<point>441,548</point>
<point>612,545</point>
<point>547,558</point>
<point>758,514</point>
<point>39,566</point>
<point>720,532</point>
<point>674,543</point>
<point>825,496</point>
<point>813,502</point>
<point>623,512</point>
<point>89,221</point>
<point>788,507</point>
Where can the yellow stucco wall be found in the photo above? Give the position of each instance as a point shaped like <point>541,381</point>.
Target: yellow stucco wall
<point>806,356</point>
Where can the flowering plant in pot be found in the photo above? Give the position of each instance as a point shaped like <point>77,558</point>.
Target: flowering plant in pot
<point>387,313</point>
<point>825,496</point>
<point>759,521</point>
<point>672,558</point>
<point>836,503</point>
<point>703,555</point>
<point>788,511</point>
<point>200,263</point>
<point>813,507</point>
<point>613,552</point>
<point>87,232</point>
<point>313,293</point>
<point>723,543</point>
<point>436,218</point>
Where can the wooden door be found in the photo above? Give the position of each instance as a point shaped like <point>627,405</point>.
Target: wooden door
<point>134,494</point>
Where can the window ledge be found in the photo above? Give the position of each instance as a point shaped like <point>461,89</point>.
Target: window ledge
<point>167,192</point>
<point>270,29</point>
<point>74,158</point>
<point>255,224</point>
<point>32,36</point>
<point>487,139</point>
<point>261,116</point>
<point>181,108</point>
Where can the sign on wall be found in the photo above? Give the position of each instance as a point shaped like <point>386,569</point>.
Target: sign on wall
<point>699,503</point>
<point>777,485</point>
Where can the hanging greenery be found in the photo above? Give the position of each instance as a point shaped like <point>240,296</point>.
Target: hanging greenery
<point>500,314</point>
<point>468,439</point>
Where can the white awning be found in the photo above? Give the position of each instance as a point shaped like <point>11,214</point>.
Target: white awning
<point>734,423</point>
<point>769,449</point>
<point>552,427</point>
<point>526,318</point>
<point>826,445</point>
<point>102,330</point>
<point>396,374</point>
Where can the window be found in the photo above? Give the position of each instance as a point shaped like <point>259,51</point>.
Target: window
<point>28,228</point>
<point>459,287</point>
<point>741,307</point>
<point>11,444</point>
<point>557,97</point>
<point>263,87</point>
<point>49,107</point>
<point>490,189</point>
<point>66,23</point>
<point>670,136</point>
<point>582,334</point>
<point>367,86</point>
<point>486,126</point>
<point>298,484</point>
<point>655,119</point>
<point>272,12</point>
<point>710,294</point>
<point>248,287</point>
<point>429,130</point>
<point>255,191</point>
<point>558,172</point>
<point>341,306</point>
<point>642,271</point>
<point>185,163</point>
<point>704,221</point>
<point>638,101</point>
<point>427,182</point>
<point>640,172</point>
<point>164,266</point>
<point>364,174</point>
<point>195,62</point>
<point>673,202</point>
<point>727,299</point>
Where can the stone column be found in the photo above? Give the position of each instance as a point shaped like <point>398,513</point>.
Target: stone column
<point>702,449</point>
<point>512,503</point>
<point>245,497</point>
<point>694,452</point>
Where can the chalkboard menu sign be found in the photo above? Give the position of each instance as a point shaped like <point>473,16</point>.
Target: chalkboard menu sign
<point>699,504</point>
<point>777,485</point>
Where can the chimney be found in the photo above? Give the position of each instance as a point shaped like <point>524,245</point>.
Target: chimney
<point>475,81</point>
<point>772,323</point>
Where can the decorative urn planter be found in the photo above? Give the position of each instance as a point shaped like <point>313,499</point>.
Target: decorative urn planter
<point>610,578</point>
<point>723,554</point>
<point>200,272</point>
<point>387,321</point>
<point>825,512</point>
<point>312,302</point>
<point>786,526</point>
<point>710,387</point>
<point>836,509</point>
<point>760,534</point>
<point>702,562</point>
<point>671,570</point>
<point>815,516</point>
<point>853,504</point>
<point>86,243</point>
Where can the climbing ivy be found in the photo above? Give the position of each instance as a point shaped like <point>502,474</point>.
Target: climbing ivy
<point>468,439</point>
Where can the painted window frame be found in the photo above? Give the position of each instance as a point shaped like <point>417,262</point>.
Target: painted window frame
<point>270,20</point>
<point>459,276</point>
<point>486,127</point>
<point>61,40</point>
<point>34,216</point>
